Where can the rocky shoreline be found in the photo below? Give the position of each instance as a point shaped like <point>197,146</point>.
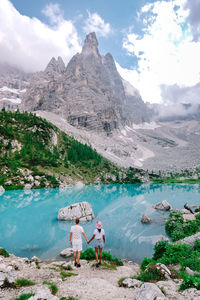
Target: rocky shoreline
<point>85,283</point>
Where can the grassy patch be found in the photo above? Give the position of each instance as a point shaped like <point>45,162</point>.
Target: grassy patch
<point>151,274</point>
<point>37,264</point>
<point>68,267</point>
<point>67,274</point>
<point>52,287</point>
<point>23,282</point>
<point>108,266</point>
<point>121,280</point>
<point>24,296</point>
<point>175,180</point>
<point>4,253</point>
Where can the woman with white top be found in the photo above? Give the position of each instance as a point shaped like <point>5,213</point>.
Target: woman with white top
<point>99,242</point>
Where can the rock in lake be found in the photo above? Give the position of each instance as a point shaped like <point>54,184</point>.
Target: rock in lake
<point>81,210</point>
<point>68,252</point>
<point>2,190</point>
<point>145,219</point>
<point>164,205</point>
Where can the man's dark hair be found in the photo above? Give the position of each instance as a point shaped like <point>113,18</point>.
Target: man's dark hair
<point>77,221</point>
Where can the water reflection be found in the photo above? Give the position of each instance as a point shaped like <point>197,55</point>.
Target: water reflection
<point>29,226</point>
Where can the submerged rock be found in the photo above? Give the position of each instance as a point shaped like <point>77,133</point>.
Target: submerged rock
<point>164,205</point>
<point>145,219</point>
<point>81,210</point>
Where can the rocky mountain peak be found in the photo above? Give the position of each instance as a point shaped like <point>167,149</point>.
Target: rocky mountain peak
<point>54,65</point>
<point>91,45</point>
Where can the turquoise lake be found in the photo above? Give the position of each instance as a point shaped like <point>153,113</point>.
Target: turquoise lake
<point>28,224</point>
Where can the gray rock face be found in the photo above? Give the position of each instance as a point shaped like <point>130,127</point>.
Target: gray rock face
<point>82,210</point>
<point>190,239</point>
<point>164,205</point>
<point>131,283</point>
<point>13,84</point>
<point>43,293</point>
<point>164,270</point>
<point>148,291</point>
<point>7,276</point>
<point>89,92</point>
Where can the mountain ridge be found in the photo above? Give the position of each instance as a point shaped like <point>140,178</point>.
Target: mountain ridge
<point>88,93</point>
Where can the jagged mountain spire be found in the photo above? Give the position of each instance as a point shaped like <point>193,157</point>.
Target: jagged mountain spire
<point>55,65</point>
<point>91,45</point>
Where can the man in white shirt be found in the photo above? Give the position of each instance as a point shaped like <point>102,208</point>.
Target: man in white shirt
<point>76,240</point>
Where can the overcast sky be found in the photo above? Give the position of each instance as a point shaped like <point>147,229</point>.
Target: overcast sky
<point>156,44</point>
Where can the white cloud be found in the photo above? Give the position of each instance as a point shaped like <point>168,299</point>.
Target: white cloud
<point>54,13</point>
<point>94,23</point>
<point>166,51</point>
<point>28,43</point>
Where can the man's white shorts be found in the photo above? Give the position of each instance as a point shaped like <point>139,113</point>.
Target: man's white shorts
<point>77,245</point>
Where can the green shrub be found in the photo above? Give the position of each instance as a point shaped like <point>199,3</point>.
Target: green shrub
<point>190,282</point>
<point>159,249</point>
<point>197,245</point>
<point>178,229</point>
<point>89,254</point>
<point>174,220</point>
<point>52,287</point>
<point>24,296</point>
<point>4,253</point>
<point>146,261</point>
<point>23,282</point>
<point>151,274</point>
<point>69,268</point>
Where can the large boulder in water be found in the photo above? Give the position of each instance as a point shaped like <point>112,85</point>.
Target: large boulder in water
<point>164,205</point>
<point>81,210</point>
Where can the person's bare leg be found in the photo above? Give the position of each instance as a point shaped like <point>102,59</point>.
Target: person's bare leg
<point>74,257</point>
<point>79,255</point>
<point>100,251</point>
<point>96,254</point>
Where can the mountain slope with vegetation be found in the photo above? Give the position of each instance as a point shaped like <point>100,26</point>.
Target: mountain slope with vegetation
<point>34,151</point>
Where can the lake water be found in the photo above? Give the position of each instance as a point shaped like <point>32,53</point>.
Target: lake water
<point>28,224</point>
